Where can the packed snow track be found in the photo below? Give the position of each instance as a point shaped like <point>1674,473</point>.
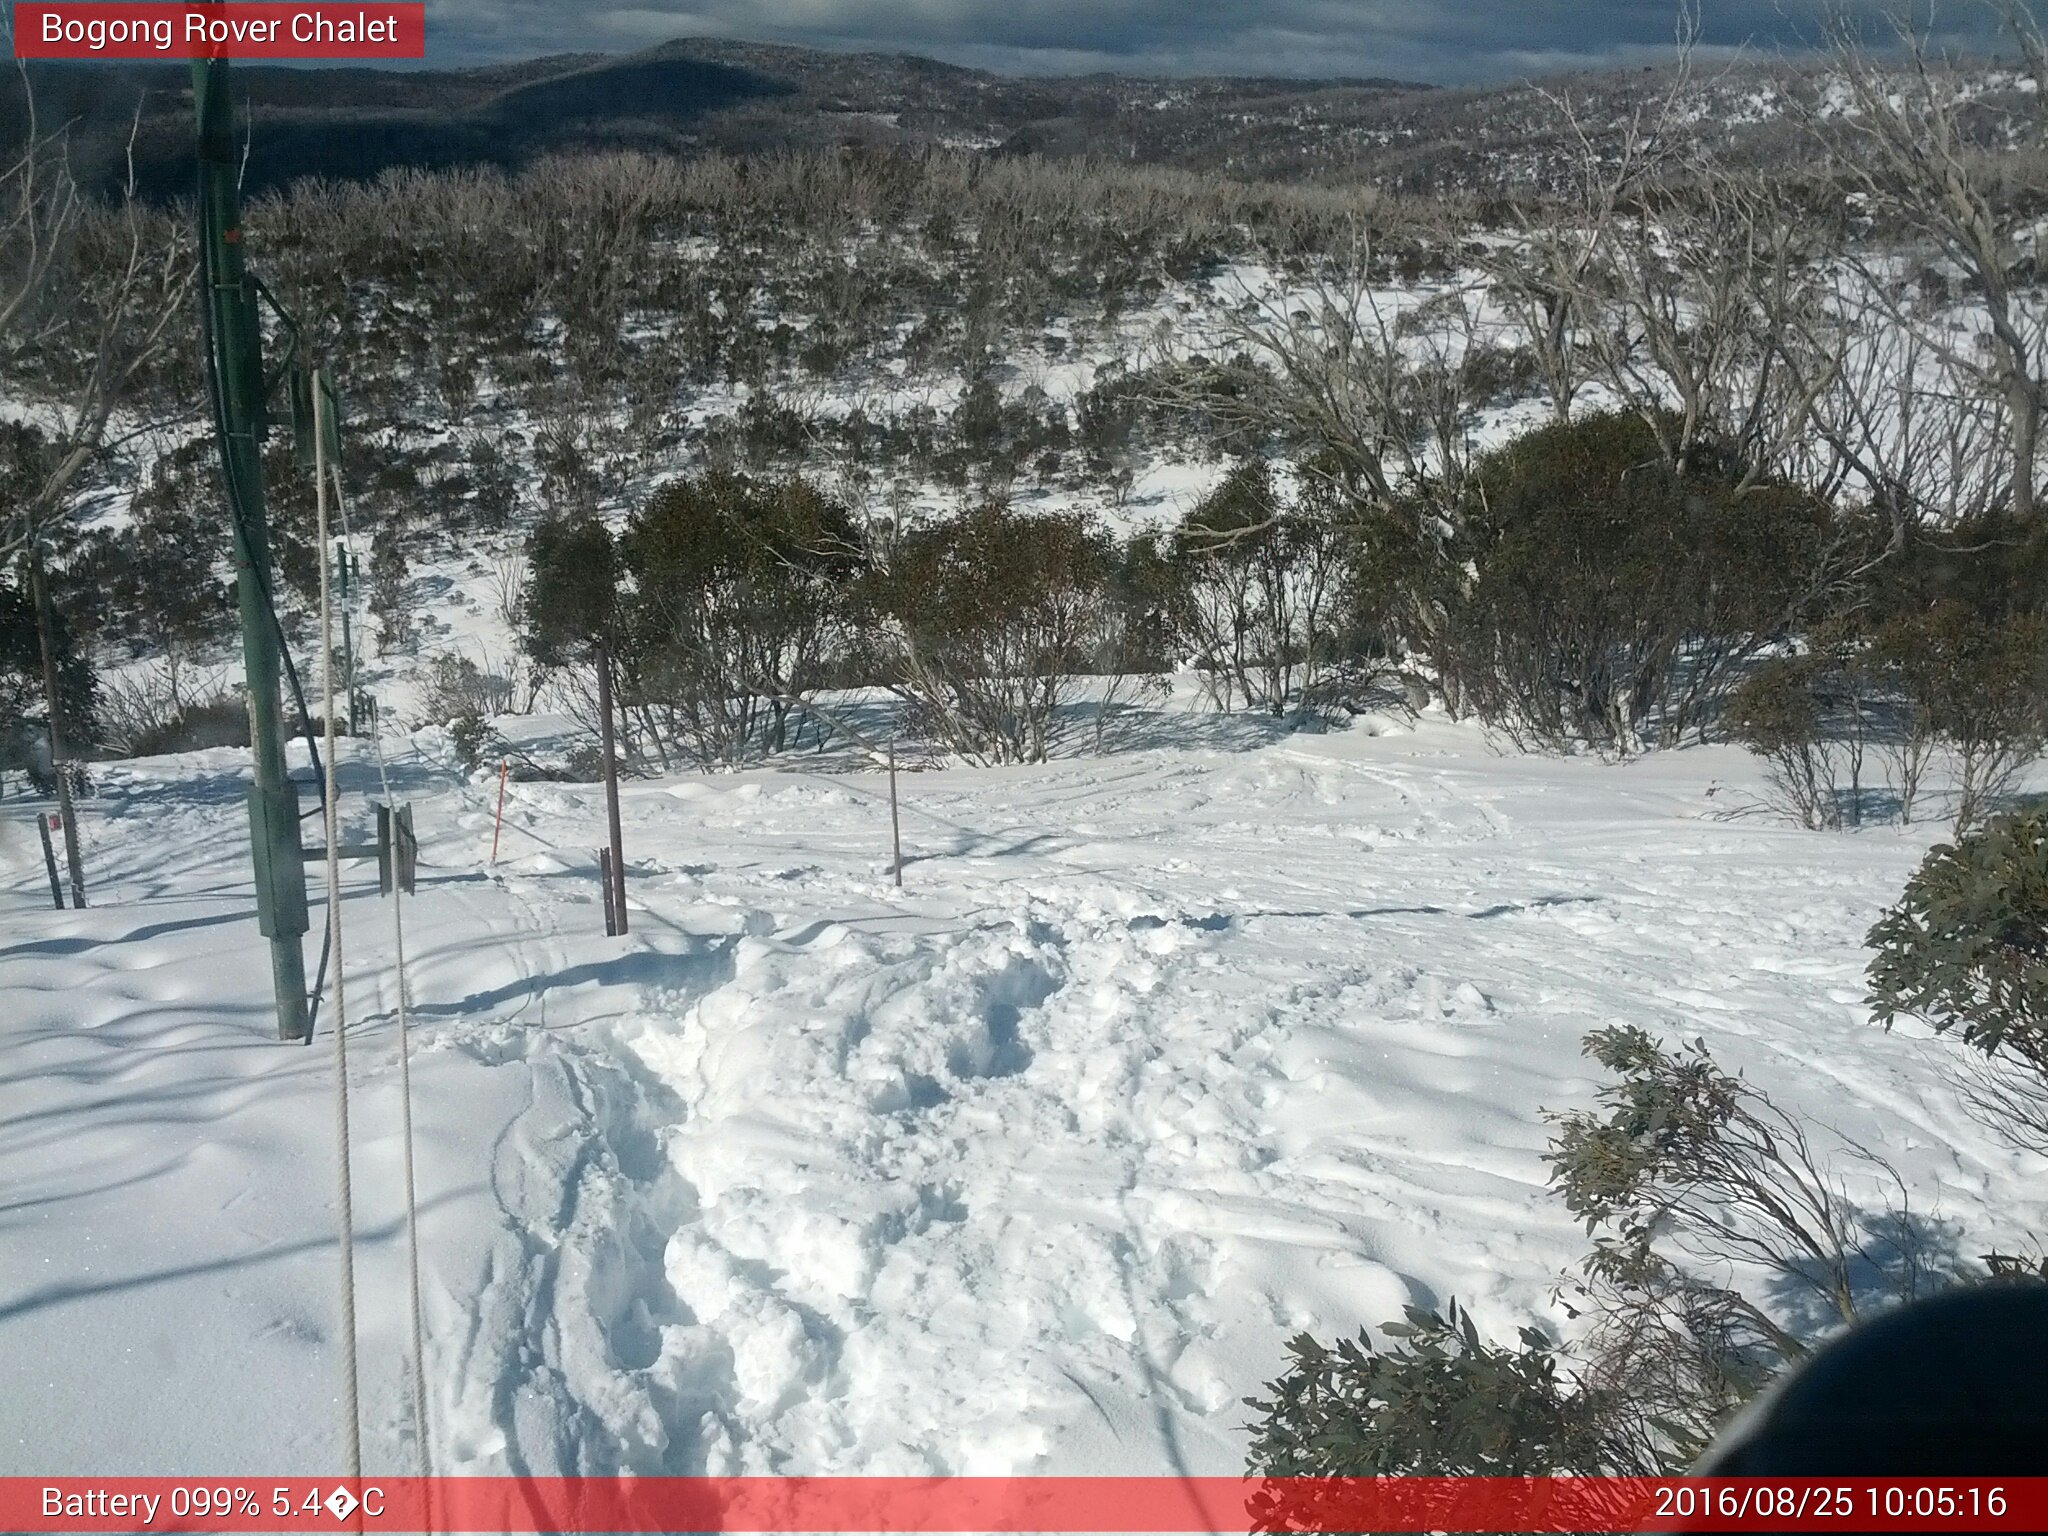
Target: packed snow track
<point>1033,1166</point>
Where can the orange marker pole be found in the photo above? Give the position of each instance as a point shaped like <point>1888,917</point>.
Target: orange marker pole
<point>504,766</point>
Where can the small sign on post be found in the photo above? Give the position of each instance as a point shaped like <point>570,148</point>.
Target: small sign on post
<point>895,820</point>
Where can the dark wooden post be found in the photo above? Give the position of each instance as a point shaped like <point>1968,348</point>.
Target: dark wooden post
<point>895,820</point>
<point>617,880</point>
<point>50,860</point>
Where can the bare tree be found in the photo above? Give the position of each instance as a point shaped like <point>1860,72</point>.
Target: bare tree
<point>1915,145</point>
<point>1544,276</point>
<point>42,207</point>
<point>1892,420</point>
<point>1360,377</point>
<point>89,298</point>
<point>1709,295</point>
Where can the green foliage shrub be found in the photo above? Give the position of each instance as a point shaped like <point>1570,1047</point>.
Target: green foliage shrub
<point>720,601</point>
<point>1437,1401</point>
<point>1966,947</point>
<point>1685,1176</point>
<point>1947,683</point>
<point>990,616</point>
<point>1262,589</point>
<point>1799,713</point>
<point>195,726</point>
<point>736,592</point>
<point>570,600</point>
<point>22,696</point>
<point>1588,592</point>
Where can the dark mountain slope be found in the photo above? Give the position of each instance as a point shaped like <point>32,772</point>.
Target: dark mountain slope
<point>692,95</point>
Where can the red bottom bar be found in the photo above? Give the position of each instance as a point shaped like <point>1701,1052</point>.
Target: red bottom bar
<point>1150,1505</point>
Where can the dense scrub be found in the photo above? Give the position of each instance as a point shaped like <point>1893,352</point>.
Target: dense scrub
<point>1717,471</point>
<point>1589,591</point>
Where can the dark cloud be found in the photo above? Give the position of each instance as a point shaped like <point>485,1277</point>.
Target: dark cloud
<point>1444,41</point>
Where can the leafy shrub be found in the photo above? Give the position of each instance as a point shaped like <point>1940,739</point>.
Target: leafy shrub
<point>1980,686</point>
<point>989,618</point>
<point>1608,598</point>
<point>1966,947</point>
<point>1684,1175</point>
<point>158,580</point>
<point>493,481</point>
<point>219,721</point>
<point>1685,1154</point>
<point>737,589</point>
<point>390,596</point>
<point>1261,589</point>
<point>570,599</point>
<point>474,741</point>
<point>1801,715</point>
<point>456,688</point>
<point>1437,1401</point>
<point>22,694</point>
<point>1994,564</point>
<point>1947,683</point>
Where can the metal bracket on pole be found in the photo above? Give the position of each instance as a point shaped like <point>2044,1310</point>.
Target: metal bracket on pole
<point>397,851</point>
<point>604,876</point>
<point>280,860</point>
<point>406,845</point>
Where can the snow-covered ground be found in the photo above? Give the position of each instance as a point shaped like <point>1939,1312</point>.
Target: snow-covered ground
<point>1156,1059</point>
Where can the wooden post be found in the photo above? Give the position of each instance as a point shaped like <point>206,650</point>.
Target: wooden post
<point>617,876</point>
<point>40,596</point>
<point>504,767</point>
<point>895,819</point>
<point>50,859</point>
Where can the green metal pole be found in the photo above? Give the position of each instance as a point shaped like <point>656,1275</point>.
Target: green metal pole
<point>234,340</point>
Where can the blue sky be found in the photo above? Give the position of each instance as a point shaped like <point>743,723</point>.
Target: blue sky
<point>1444,41</point>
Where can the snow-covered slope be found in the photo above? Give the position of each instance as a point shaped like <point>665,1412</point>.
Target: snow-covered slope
<point>1155,1060</point>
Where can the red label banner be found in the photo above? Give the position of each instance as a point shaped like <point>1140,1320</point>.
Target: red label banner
<point>150,29</point>
<point>1153,1506</point>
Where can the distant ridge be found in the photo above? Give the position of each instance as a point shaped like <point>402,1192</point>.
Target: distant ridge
<point>704,95</point>
<point>688,95</point>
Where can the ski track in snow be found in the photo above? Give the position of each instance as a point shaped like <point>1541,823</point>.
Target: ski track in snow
<point>1033,1166</point>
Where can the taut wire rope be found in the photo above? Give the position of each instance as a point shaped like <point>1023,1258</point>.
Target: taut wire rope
<point>422,1428</point>
<point>352,1386</point>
